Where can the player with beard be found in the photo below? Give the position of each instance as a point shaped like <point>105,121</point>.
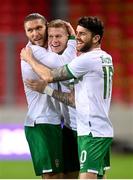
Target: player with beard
<point>93,71</point>
<point>43,121</point>
<point>57,41</point>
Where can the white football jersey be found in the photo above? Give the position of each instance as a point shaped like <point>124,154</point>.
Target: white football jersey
<point>41,108</point>
<point>93,89</point>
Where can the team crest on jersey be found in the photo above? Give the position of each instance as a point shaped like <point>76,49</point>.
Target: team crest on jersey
<point>57,163</point>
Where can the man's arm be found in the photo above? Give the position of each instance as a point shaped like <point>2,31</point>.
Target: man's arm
<point>44,72</point>
<point>40,86</point>
<point>66,98</point>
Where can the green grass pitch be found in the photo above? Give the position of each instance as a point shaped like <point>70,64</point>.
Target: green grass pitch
<point>121,168</point>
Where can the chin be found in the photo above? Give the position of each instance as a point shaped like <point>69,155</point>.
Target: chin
<point>56,51</point>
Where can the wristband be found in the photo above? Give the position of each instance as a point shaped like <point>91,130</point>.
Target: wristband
<point>71,37</point>
<point>48,90</point>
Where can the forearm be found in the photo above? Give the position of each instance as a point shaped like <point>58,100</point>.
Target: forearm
<point>65,98</point>
<point>50,75</point>
<point>43,71</point>
<point>60,74</point>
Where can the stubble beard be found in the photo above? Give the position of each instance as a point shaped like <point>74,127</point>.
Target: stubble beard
<point>86,47</point>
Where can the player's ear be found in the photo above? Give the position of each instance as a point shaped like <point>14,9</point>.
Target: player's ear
<point>96,38</point>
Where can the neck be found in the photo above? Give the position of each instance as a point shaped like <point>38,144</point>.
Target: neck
<point>95,47</point>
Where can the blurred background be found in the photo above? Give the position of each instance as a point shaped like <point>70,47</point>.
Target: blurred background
<point>118,41</point>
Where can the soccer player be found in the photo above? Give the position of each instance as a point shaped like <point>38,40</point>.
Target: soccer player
<point>43,122</point>
<point>57,41</point>
<point>93,70</point>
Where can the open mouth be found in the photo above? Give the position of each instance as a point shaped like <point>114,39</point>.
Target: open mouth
<point>38,39</point>
<point>55,46</point>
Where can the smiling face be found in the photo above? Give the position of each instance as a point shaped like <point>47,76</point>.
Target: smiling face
<point>57,39</point>
<point>84,39</point>
<point>89,33</point>
<point>36,31</point>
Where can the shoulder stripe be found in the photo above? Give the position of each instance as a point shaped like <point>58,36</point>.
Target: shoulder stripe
<point>70,74</point>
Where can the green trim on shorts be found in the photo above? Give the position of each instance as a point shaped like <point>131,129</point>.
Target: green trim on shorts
<point>45,143</point>
<point>70,150</point>
<point>94,153</point>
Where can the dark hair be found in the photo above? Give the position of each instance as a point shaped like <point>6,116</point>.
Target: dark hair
<point>34,16</point>
<point>93,24</point>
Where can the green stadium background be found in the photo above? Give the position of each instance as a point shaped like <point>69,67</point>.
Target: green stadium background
<point>118,41</point>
